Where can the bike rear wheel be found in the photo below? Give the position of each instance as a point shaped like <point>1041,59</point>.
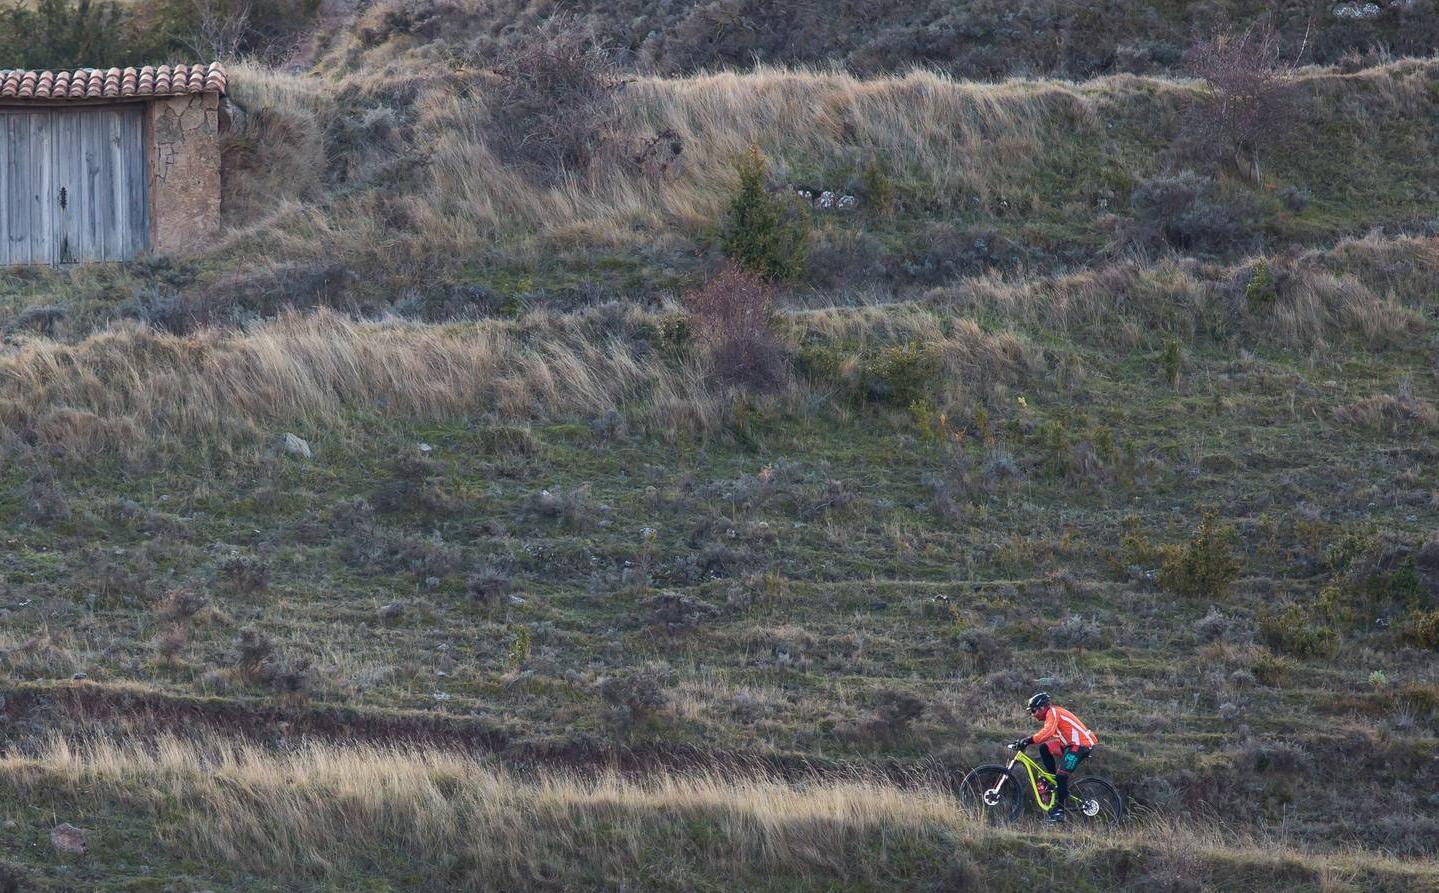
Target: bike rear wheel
<point>991,795</point>
<point>1094,801</point>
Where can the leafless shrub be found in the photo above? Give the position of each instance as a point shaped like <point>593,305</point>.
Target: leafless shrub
<point>245,573</point>
<point>674,612</point>
<point>170,643</point>
<point>252,650</point>
<point>731,315</point>
<point>181,605</point>
<point>1180,212</point>
<point>489,586</point>
<point>982,650</point>
<point>1250,103</point>
<point>555,99</point>
<point>42,320</point>
<point>414,484</point>
<point>44,502</point>
<point>1218,626</point>
<point>894,712</point>
<point>633,697</point>
<point>573,508</point>
<point>1074,631</point>
<point>221,30</point>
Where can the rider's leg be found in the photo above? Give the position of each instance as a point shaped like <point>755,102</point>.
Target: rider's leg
<point>1046,755</point>
<point>1072,758</point>
<point>1047,752</point>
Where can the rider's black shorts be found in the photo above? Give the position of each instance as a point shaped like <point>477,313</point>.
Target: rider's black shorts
<point>1069,759</point>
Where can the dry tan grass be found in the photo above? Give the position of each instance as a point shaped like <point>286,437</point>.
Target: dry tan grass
<point>322,808</point>
<point>134,390</point>
<point>1368,291</point>
<point>322,811</point>
<point>969,144</point>
<point>130,388</point>
<point>1391,413</point>
<point>969,141</point>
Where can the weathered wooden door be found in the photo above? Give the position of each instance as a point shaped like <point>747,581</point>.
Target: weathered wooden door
<point>73,185</point>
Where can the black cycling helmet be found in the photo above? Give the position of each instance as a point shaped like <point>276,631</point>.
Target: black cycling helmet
<point>1038,701</point>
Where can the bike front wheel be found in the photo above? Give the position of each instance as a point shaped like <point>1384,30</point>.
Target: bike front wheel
<point>991,795</point>
<point>1094,801</point>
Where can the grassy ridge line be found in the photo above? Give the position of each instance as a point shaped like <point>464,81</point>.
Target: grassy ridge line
<point>430,819</point>
<point>81,707</point>
<point>1046,163</point>
<point>959,146</point>
<point>135,391</point>
<point>370,190</point>
<point>982,40</point>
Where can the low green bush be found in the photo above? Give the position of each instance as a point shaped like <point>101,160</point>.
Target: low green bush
<point>901,375</point>
<point>1204,567</point>
<point>1295,632</point>
<point>1262,289</point>
<point>1421,629</point>
<point>761,233</point>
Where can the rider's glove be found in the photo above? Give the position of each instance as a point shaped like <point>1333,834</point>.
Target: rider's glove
<point>1021,744</point>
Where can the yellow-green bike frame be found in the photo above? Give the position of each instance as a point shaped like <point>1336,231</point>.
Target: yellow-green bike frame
<point>1035,772</point>
<point>1090,796</point>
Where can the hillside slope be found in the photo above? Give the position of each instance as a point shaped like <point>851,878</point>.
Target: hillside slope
<point>975,39</point>
<point>390,192</point>
<point>418,537</point>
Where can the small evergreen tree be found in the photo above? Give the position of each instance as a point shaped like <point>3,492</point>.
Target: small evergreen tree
<point>760,233</point>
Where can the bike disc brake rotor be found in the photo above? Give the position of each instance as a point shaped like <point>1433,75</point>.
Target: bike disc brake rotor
<point>1090,808</point>
<point>991,797</point>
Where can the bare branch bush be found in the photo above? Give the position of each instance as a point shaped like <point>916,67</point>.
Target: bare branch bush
<point>1250,103</point>
<point>731,316</point>
<point>221,32</point>
<point>555,100</point>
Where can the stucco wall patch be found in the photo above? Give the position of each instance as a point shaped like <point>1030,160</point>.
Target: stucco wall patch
<point>185,169</point>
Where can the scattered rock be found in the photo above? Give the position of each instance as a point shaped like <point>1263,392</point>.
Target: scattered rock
<point>78,676</point>
<point>294,445</point>
<point>66,838</point>
<point>1356,10</point>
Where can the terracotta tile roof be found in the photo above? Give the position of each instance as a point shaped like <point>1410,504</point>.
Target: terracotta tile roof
<point>118,83</point>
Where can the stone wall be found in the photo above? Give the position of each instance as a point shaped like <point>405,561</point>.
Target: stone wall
<point>185,170</point>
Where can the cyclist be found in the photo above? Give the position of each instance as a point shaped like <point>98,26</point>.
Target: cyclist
<point>1063,738</point>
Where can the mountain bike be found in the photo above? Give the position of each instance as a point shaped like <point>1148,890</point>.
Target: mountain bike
<point>996,794</point>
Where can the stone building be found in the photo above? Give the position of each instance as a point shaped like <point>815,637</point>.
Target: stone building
<point>106,165</point>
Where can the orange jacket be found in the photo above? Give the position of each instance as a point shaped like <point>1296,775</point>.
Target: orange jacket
<point>1065,726</point>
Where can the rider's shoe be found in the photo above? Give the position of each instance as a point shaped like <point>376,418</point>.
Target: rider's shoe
<point>1055,817</point>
